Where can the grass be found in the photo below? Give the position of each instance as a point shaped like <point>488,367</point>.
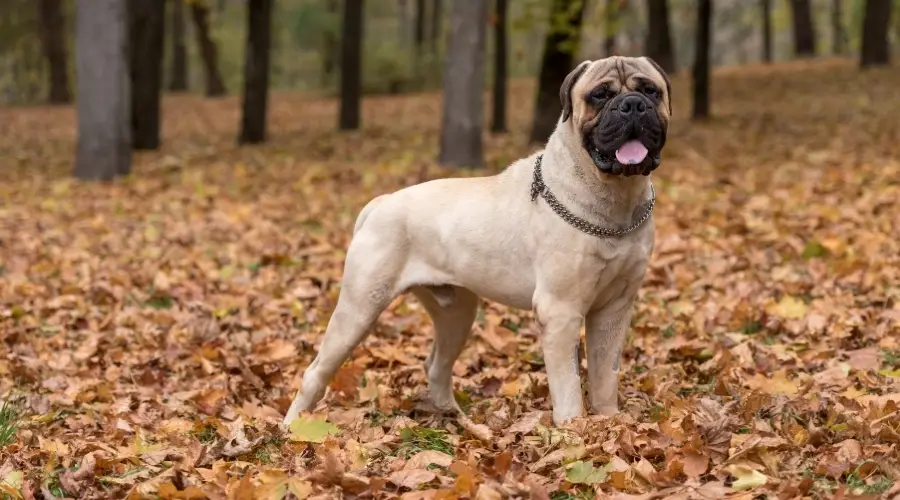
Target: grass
<point>9,422</point>
<point>418,439</point>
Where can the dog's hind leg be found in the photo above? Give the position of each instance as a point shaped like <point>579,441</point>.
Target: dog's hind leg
<point>370,279</point>
<point>452,309</point>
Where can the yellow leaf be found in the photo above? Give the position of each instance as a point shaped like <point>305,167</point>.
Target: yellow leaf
<point>789,308</point>
<point>746,478</point>
<point>309,430</point>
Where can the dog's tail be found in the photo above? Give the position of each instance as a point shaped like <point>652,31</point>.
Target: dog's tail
<point>366,211</point>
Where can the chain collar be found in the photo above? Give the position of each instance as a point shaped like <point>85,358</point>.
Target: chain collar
<point>539,188</point>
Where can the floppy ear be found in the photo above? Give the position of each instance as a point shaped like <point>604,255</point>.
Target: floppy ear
<point>565,92</point>
<point>665,77</point>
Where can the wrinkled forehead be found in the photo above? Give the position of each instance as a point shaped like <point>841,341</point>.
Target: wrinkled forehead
<point>615,71</point>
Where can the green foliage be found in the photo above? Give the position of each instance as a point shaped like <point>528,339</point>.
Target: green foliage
<point>9,422</point>
<point>417,439</point>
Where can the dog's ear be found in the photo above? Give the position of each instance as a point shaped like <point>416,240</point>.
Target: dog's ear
<point>565,92</point>
<point>665,77</point>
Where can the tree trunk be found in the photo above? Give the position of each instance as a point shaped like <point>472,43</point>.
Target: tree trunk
<point>53,38</point>
<point>804,32</point>
<point>351,64</point>
<point>560,46</point>
<point>875,33</point>
<point>437,25</point>
<point>103,106</point>
<point>419,31</point>
<point>403,24</point>
<point>329,44</point>
<point>208,50</point>
<point>838,34</point>
<point>146,54</point>
<point>611,20</point>
<point>256,71</point>
<point>464,85</point>
<point>498,121</point>
<point>659,39</point>
<point>701,59</point>
<point>179,81</point>
<point>766,13</point>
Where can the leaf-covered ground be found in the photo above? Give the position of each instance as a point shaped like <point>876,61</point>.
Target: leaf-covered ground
<point>154,330</point>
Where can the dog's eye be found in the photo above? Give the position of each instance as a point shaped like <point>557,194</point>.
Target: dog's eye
<point>651,91</point>
<point>600,93</point>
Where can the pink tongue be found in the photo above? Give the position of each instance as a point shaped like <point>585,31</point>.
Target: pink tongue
<point>631,152</point>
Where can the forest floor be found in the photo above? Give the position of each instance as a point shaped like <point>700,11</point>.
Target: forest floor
<point>154,330</point>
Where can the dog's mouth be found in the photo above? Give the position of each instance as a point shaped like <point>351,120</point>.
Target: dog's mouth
<point>632,157</point>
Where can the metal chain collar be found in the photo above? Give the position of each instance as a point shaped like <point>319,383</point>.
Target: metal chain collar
<point>539,188</point>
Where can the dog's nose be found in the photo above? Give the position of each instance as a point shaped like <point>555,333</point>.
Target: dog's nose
<point>632,104</point>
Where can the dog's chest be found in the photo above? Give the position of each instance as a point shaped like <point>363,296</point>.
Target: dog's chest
<point>610,268</point>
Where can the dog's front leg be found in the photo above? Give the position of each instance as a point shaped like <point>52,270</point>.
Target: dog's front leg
<point>605,331</point>
<point>561,326</point>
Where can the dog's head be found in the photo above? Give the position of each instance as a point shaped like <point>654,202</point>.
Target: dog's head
<point>620,107</point>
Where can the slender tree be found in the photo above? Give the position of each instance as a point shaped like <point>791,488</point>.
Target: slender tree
<point>498,120</point>
<point>179,76</point>
<point>330,42</point>
<point>53,40</point>
<point>766,14</point>
<point>611,20</point>
<point>437,25</point>
<point>804,32</point>
<point>701,59</point>
<point>838,33</point>
<point>147,21</point>
<point>351,65</point>
<point>877,20</point>
<point>560,46</point>
<point>256,71</point>
<point>461,125</point>
<point>419,29</point>
<point>659,38</point>
<point>103,106</point>
<point>208,50</point>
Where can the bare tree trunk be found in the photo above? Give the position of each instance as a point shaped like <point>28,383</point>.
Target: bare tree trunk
<point>403,23</point>
<point>611,20</point>
<point>351,65</point>
<point>419,31</point>
<point>701,59</point>
<point>498,120</point>
<point>875,50</point>
<point>179,81</point>
<point>103,106</point>
<point>462,122</point>
<point>437,25</point>
<point>838,34</point>
<point>256,71</point>
<point>329,44</point>
<point>53,38</point>
<point>560,46</point>
<point>208,50</point>
<point>659,39</point>
<point>804,31</point>
<point>766,13</point>
<point>147,26</point>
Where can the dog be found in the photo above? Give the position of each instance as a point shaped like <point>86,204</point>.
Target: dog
<point>566,232</point>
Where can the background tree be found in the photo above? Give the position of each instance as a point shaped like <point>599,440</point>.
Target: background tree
<point>461,125</point>
<point>701,70</point>
<point>53,41</point>
<point>256,71</point>
<point>179,74</point>
<point>838,33</point>
<point>147,21</point>
<point>437,26</point>
<point>877,20</point>
<point>330,43</point>
<point>351,64</point>
<point>103,106</point>
<point>611,22</point>
<point>208,50</point>
<point>804,32</point>
<point>560,45</point>
<point>659,39</point>
<point>765,11</point>
<point>498,120</point>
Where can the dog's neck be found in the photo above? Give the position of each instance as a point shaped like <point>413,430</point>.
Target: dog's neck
<point>606,200</point>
